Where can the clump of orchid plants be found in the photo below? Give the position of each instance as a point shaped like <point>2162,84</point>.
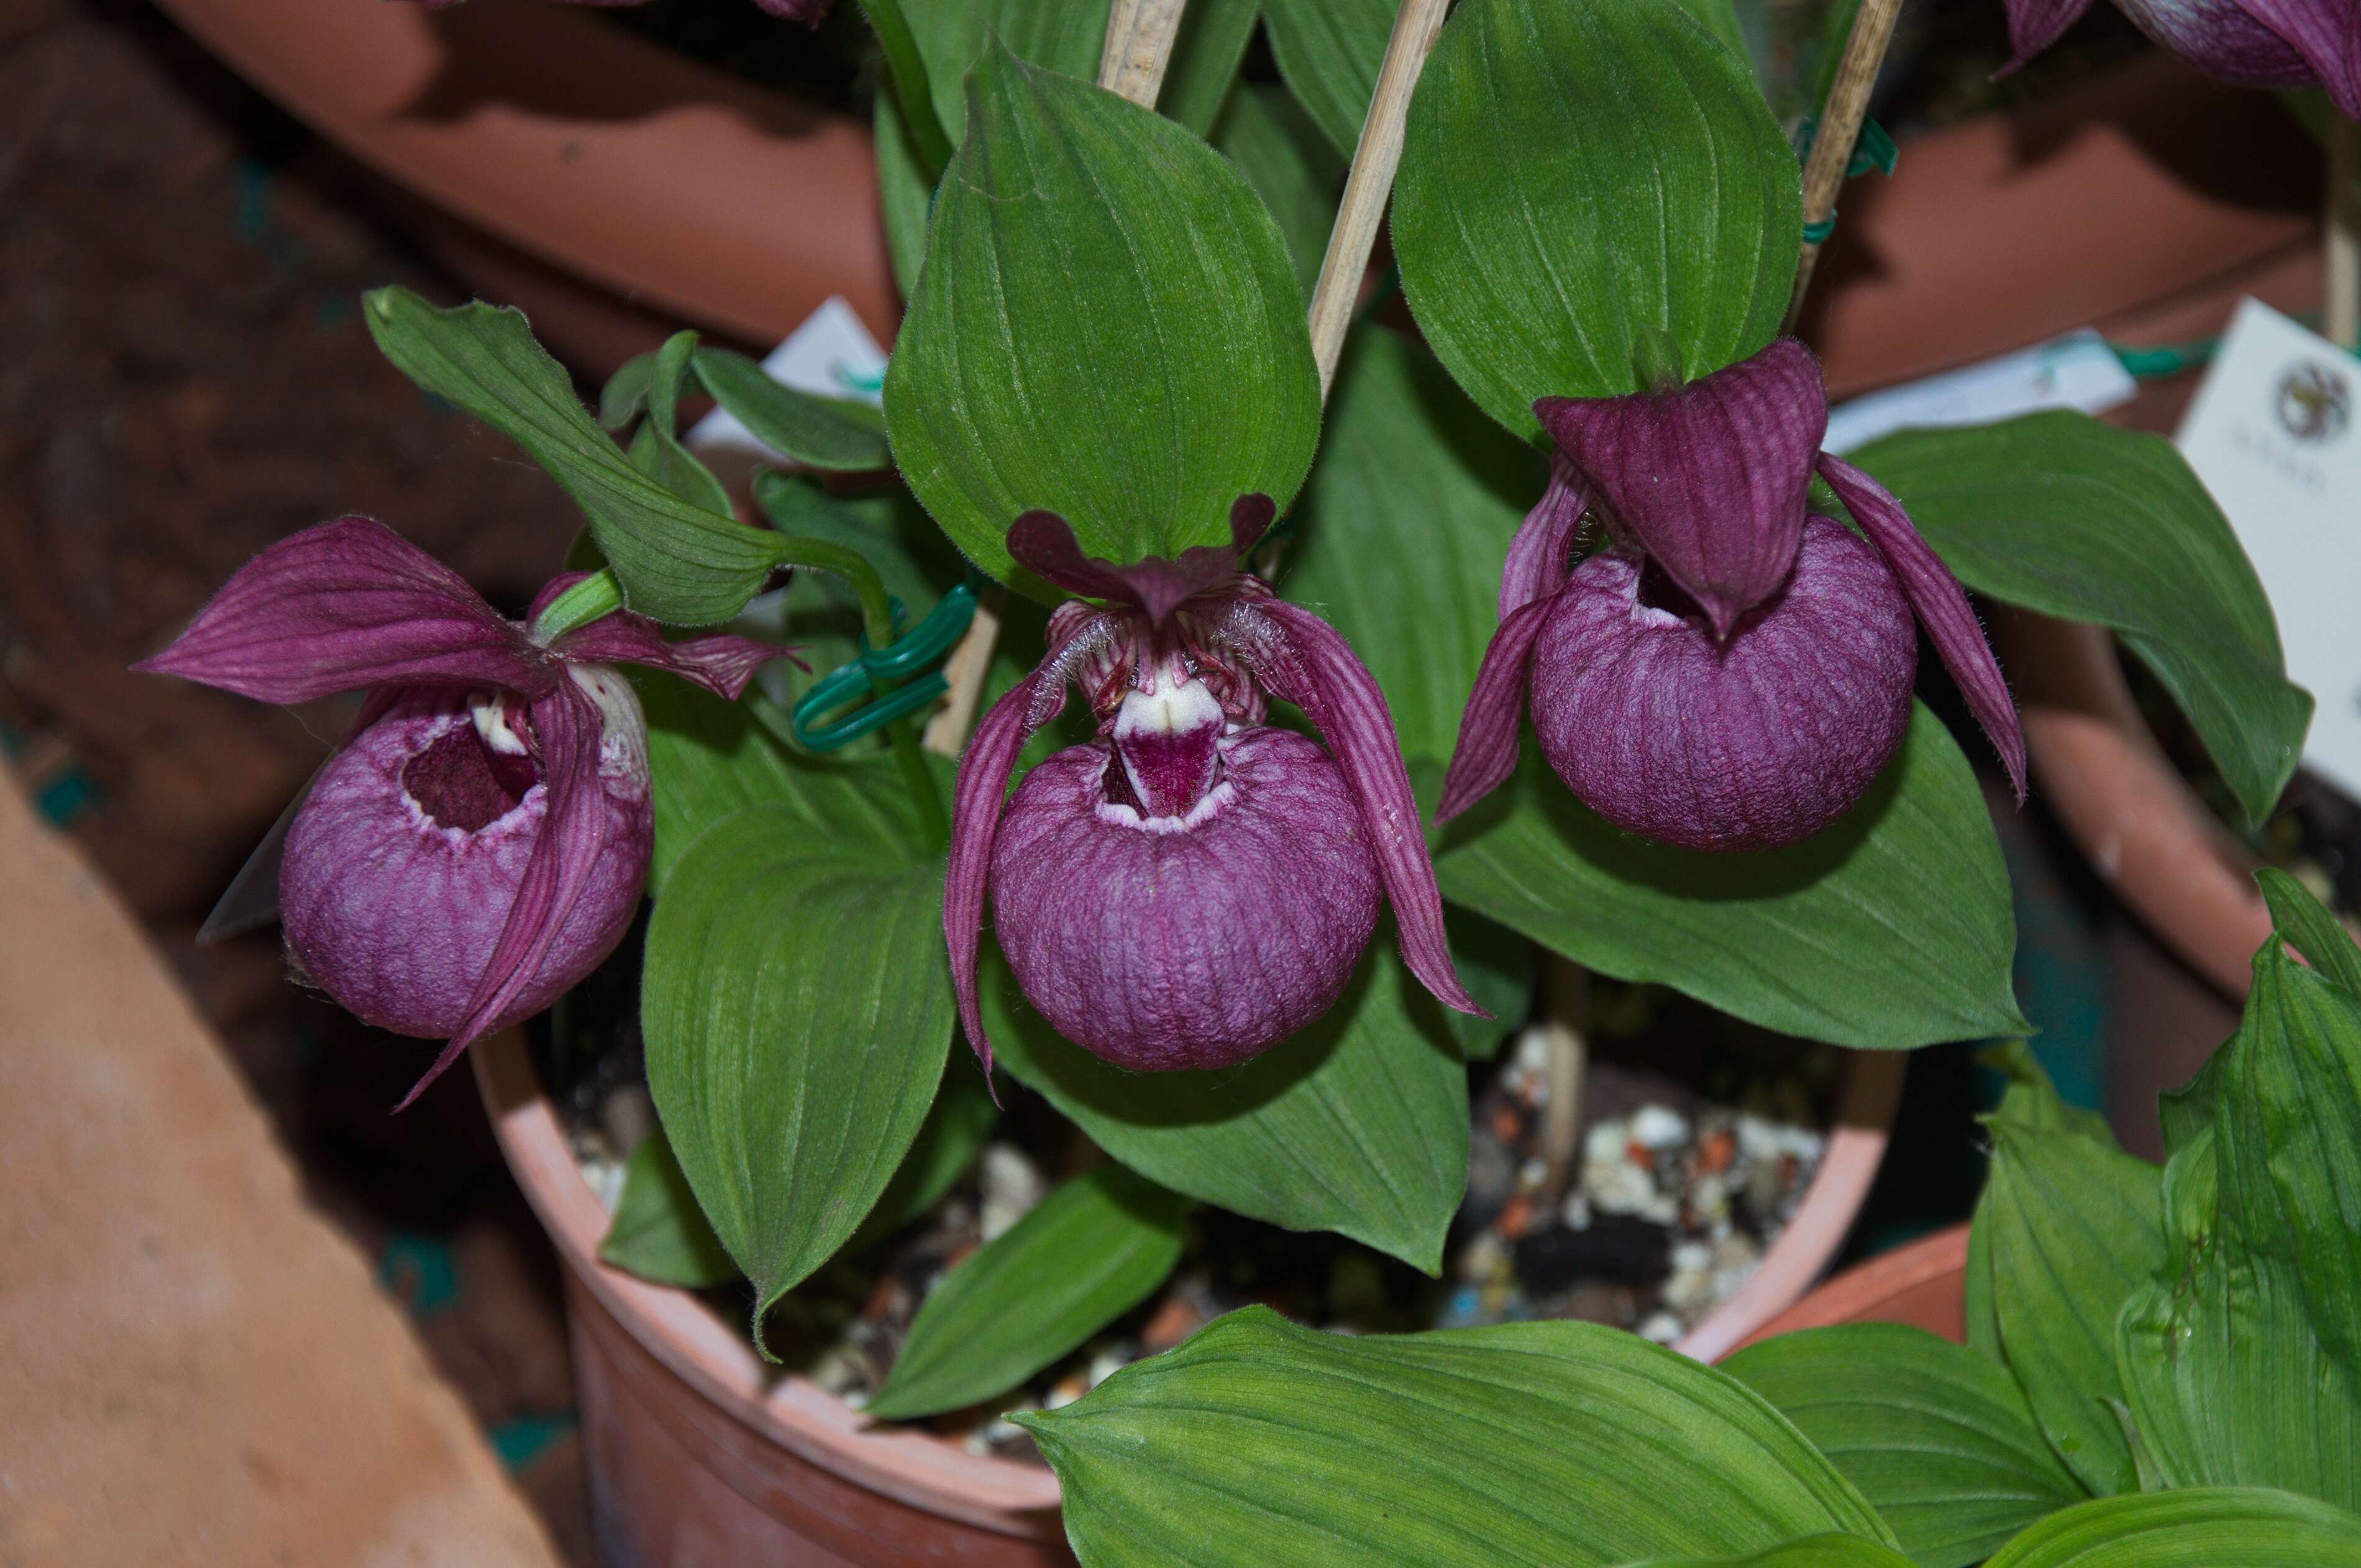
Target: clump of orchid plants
<point>1105,398</point>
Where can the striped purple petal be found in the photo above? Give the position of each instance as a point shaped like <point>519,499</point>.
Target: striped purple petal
<point>1485,752</point>
<point>1940,605</point>
<point>1710,479</point>
<point>1043,543</point>
<point>1538,556</point>
<point>345,605</point>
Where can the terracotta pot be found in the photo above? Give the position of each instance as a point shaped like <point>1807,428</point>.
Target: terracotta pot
<point>698,1454</point>
<point>670,185</point>
<point>1922,1285</point>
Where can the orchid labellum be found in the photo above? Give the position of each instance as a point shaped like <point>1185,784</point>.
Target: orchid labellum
<point>2253,43</point>
<point>1193,886</point>
<point>478,843</point>
<point>1732,672</point>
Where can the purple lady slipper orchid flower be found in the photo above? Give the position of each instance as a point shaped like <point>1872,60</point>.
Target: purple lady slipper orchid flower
<point>480,842</point>
<point>1733,671</point>
<point>2250,43</point>
<point>1194,886</point>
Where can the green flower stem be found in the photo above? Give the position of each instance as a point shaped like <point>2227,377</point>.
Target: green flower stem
<point>594,597</point>
<point>836,560</point>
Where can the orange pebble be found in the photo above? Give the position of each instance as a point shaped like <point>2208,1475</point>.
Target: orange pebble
<point>1515,1217</point>
<point>1507,1125</point>
<point>1172,1323</point>
<point>1715,1152</point>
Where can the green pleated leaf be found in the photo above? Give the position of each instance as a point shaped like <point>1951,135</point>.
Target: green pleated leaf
<point>904,196</point>
<point>1812,1551</point>
<point>1578,178</point>
<point>2030,1097</point>
<point>1404,528</point>
<point>1329,52</point>
<point>2288,1131</point>
<point>1497,967</point>
<point>833,433</point>
<point>1720,17</point>
<point>658,1231</point>
<point>677,563</point>
<point>1889,930</point>
<point>2306,925</point>
<point>2074,1227</point>
<point>1087,1254</point>
<point>948,1142</point>
<point>711,760</point>
<point>1937,1438</point>
<point>1067,37</point>
<point>656,450</point>
<point>1358,1124</point>
<point>1108,325</point>
<point>2073,518</point>
<point>1205,59</point>
<point>2226,1528</point>
<point>1298,176</point>
<point>796,1007</point>
<point>1550,1444</point>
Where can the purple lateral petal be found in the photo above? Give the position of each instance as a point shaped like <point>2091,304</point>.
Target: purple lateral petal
<point>720,663</point>
<point>1303,659</point>
<point>1940,605</point>
<point>1538,556</point>
<point>1749,743</point>
<point>1250,517</point>
<point>2035,25</point>
<point>1043,543</point>
<point>566,724</point>
<point>2326,34</point>
<point>1711,480</point>
<point>1159,950</point>
<point>983,774</point>
<point>345,605</point>
<point>2262,43</point>
<point>1486,753</point>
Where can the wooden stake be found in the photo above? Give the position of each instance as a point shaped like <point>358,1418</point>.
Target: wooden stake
<point>1371,182</point>
<point>2343,302</point>
<point>1840,127</point>
<point>1566,988</point>
<point>1139,38</point>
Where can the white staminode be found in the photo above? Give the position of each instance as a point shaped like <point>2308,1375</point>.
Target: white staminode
<point>492,726</point>
<point>1174,707</point>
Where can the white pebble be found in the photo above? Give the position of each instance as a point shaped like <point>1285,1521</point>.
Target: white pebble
<point>1532,1173</point>
<point>1576,1214</point>
<point>1011,1187</point>
<point>1659,1127</point>
<point>1605,1142</point>
<point>1663,1328</point>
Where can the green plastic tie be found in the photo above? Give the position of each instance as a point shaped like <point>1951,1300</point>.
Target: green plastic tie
<point>1817,233</point>
<point>899,677</point>
<point>1872,150</point>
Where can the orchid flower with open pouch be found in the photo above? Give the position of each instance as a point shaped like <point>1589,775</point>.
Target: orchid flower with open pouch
<point>479,842</point>
<point>1195,885</point>
<point>2254,43</point>
<point>1733,671</point>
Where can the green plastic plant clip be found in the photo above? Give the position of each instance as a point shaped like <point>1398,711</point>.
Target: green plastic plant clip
<point>1874,148</point>
<point>900,678</point>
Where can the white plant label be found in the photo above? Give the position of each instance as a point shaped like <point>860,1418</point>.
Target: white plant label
<point>830,356</point>
<point>2076,371</point>
<point>2272,433</point>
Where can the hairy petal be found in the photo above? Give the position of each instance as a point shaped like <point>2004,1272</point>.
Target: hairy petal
<point>1940,605</point>
<point>2035,25</point>
<point>1305,659</point>
<point>1044,544</point>
<point>567,725</point>
<point>1486,753</point>
<point>1761,740</point>
<point>983,773</point>
<point>345,605</point>
<point>1538,563</point>
<point>1712,479</point>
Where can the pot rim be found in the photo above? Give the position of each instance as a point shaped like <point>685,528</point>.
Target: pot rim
<point>1863,1292</point>
<point>935,1475</point>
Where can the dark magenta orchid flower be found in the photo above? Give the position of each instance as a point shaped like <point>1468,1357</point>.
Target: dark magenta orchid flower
<point>1733,671</point>
<point>2251,43</point>
<point>1193,886</point>
<point>480,842</point>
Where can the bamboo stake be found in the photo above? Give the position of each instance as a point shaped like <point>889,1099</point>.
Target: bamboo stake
<point>1371,182</point>
<point>1139,38</point>
<point>1840,127</point>
<point>1565,987</point>
<point>2343,302</point>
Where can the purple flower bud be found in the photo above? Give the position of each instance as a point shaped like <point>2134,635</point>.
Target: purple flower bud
<point>1194,886</point>
<point>2251,43</point>
<point>1730,673</point>
<point>480,842</point>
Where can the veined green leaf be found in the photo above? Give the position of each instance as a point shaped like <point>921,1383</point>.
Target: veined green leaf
<point>1068,37</point>
<point>1280,151</point>
<point>658,1231</point>
<point>1891,929</point>
<point>2213,1528</point>
<point>1404,528</point>
<point>1579,177</point>
<point>833,433</point>
<point>2032,1099</point>
<point>1107,326</point>
<point>677,563</point>
<point>1937,1438</point>
<point>796,1007</point>
<point>1547,1444</point>
<point>948,1142</point>
<point>2073,518</point>
<point>1087,1254</point>
<point>2074,1228</point>
<point>1329,52</point>
<point>2305,924</point>
<point>1825,1551</point>
<point>905,194</point>
<point>1358,1124</point>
